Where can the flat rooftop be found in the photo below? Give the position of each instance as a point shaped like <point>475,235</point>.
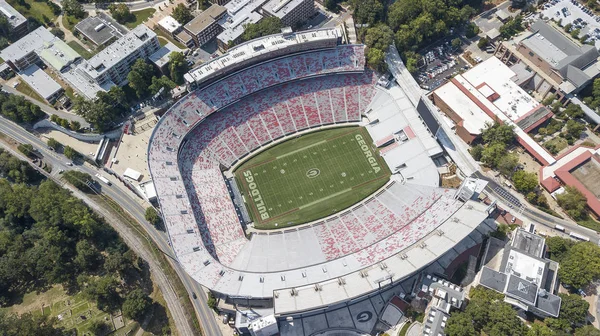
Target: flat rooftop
<point>205,19</point>
<point>169,24</point>
<point>39,81</point>
<point>588,174</point>
<point>118,50</point>
<point>13,16</point>
<point>239,13</point>
<point>280,8</point>
<point>161,56</point>
<point>27,44</point>
<point>97,30</point>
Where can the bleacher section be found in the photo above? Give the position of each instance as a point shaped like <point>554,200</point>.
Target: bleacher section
<point>211,129</point>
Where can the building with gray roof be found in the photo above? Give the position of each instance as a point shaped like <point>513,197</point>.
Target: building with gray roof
<point>519,270</point>
<point>205,26</point>
<point>113,63</point>
<point>162,56</point>
<point>97,30</point>
<point>16,20</point>
<point>572,66</point>
<point>290,12</point>
<point>41,83</point>
<point>23,53</point>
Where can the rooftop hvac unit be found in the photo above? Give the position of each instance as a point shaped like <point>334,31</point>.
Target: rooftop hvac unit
<point>99,27</point>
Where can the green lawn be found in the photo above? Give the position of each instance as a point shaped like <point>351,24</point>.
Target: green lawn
<point>37,9</point>
<point>556,144</point>
<point>140,17</point>
<point>81,50</point>
<point>311,177</point>
<point>27,90</point>
<point>164,38</point>
<point>69,22</point>
<point>590,223</point>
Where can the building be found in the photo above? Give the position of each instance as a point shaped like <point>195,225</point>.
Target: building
<point>161,57</point>
<point>219,2</point>
<point>519,270</point>
<point>291,12</point>
<point>23,53</point>
<point>112,64</point>
<point>175,29</point>
<point>443,297</point>
<point>16,20</point>
<point>264,326</point>
<point>580,168</point>
<point>561,66</point>
<point>205,26</point>
<point>490,92</point>
<point>58,55</point>
<point>41,83</point>
<point>239,14</point>
<point>97,30</point>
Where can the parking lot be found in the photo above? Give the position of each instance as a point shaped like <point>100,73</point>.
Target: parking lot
<point>440,64</point>
<point>573,12</point>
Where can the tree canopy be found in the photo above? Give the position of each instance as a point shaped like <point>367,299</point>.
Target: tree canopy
<point>18,109</point>
<point>73,8</point>
<point>525,181</point>
<point>177,67</point>
<point>580,265</point>
<point>136,305</point>
<point>140,77</point>
<point>104,110</point>
<point>574,202</point>
<point>266,26</point>
<point>121,13</point>
<point>182,14</point>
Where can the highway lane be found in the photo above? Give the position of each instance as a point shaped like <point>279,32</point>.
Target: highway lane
<point>130,203</point>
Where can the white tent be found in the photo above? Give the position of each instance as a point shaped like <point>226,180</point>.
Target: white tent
<point>132,174</point>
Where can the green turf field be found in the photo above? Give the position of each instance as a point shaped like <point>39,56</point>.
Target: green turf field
<point>310,177</point>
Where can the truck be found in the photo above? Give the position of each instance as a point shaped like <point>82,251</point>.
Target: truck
<point>559,228</point>
<point>103,179</point>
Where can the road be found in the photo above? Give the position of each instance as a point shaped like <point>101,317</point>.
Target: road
<point>130,203</point>
<point>536,216</point>
<point>133,6</point>
<point>49,110</point>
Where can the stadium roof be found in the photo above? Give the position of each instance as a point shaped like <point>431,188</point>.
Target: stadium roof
<point>262,46</point>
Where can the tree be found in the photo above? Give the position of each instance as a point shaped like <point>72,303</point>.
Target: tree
<point>73,8</point>
<point>471,30</point>
<point>574,202</point>
<point>88,257</point>
<point>367,11</point>
<point>136,305</point>
<point>58,33</point>
<point>558,247</point>
<point>497,132</point>
<point>379,36</point>
<point>575,128</point>
<point>539,329</point>
<point>456,43</point>
<point>121,13</point>
<point>574,111</point>
<point>78,179</point>
<point>103,290</point>
<point>376,59</point>
<point>177,67</point>
<point>140,77</point>
<point>331,5</point>
<point>74,125</point>
<point>182,14</point>
<point>573,310</point>
<point>53,143</point>
<point>581,265</point>
<point>266,26</point>
<point>588,330</point>
<point>162,82</point>
<point>460,324</point>
<point>28,324</point>
<point>524,181</point>
<point>71,153</point>
<point>26,149</point>
<point>507,164</point>
<point>477,152</point>
<point>98,328</point>
<point>492,154</point>
<point>511,27</point>
<point>482,43</point>
<point>152,217</point>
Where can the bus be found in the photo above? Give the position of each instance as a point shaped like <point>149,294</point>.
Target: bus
<point>103,179</point>
<point>579,237</point>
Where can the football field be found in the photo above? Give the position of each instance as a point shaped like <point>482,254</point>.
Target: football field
<point>311,176</point>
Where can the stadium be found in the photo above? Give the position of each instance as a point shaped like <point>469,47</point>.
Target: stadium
<point>291,179</point>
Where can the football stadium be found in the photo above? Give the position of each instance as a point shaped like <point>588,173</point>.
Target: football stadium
<point>293,182</point>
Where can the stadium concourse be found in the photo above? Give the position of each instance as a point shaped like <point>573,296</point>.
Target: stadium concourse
<point>266,91</point>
